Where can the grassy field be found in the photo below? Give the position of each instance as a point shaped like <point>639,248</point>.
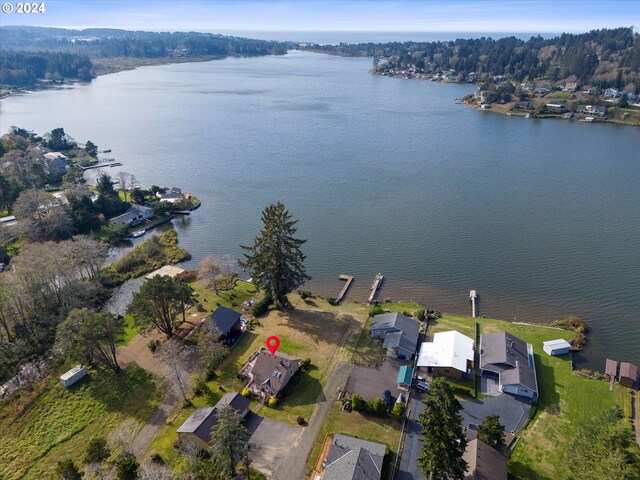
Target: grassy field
<point>369,350</point>
<point>560,95</point>
<point>314,329</point>
<point>366,427</point>
<point>51,423</point>
<point>130,330</point>
<point>566,400</point>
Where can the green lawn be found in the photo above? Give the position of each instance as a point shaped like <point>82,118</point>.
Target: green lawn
<point>566,400</point>
<point>130,330</point>
<point>560,95</point>
<point>364,426</point>
<point>411,308</point>
<point>52,423</point>
<point>369,350</point>
<point>242,291</point>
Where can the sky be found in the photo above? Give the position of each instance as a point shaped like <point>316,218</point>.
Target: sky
<point>228,16</point>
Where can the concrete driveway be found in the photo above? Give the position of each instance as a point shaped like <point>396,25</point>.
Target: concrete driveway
<point>270,443</point>
<point>371,382</point>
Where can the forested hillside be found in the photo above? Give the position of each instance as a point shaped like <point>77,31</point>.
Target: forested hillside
<point>30,55</point>
<point>603,58</point>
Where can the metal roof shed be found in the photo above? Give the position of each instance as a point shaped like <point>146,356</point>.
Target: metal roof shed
<point>556,347</point>
<point>72,376</point>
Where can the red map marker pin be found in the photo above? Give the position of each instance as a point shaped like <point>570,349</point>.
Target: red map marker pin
<point>273,343</point>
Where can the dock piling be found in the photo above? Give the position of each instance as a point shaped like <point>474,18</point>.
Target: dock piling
<point>473,295</point>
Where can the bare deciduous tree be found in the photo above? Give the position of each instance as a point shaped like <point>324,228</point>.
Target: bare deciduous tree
<point>121,438</point>
<point>153,471</point>
<point>174,356</point>
<point>125,181</point>
<point>209,272</point>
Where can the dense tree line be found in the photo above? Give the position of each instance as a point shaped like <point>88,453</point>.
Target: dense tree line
<point>606,57</point>
<point>107,43</point>
<point>20,69</point>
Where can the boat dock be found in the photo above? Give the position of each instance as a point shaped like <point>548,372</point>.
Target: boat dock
<point>343,292</point>
<point>473,295</point>
<point>376,285</point>
<point>103,164</point>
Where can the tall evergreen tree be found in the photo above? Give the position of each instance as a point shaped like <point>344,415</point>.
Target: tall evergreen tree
<point>443,439</point>
<point>490,431</point>
<point>228,442</point>
<point>275,260</point>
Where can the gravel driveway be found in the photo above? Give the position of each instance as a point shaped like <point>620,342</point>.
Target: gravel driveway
<point>270,443</point>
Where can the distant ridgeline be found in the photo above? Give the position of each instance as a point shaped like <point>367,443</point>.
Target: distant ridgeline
<point>55,53</point>
<point>603,58</point>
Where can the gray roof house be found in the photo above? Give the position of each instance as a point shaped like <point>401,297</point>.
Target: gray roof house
<point>225,321</point>
<point>268,374</point>
<point>170,195</point>
<point>511,360</point>
<point>350,458</point>
<point>197,428</point>
<point>399,333</point>
<point>135,215</point>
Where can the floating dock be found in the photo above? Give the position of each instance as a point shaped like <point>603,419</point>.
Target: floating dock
<point>107,163</point>
<point>374,288</point>
<point>473,295</point>
<point>343,292</point>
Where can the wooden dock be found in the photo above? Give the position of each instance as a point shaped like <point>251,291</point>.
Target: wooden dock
<point>374,288</point>
<point>103,164</point>
<point>343,292</point>
<point>473,295</point>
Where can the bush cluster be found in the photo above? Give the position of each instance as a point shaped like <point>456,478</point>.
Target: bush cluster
<point>262,306</point>
<point>376,406</point>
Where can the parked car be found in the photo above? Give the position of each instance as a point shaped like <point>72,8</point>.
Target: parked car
<point>386,396</point>
<point>423,387</point>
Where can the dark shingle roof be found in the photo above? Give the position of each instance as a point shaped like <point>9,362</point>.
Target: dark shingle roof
<point>224,318</point>
<point>485,462</point>
<point>353,459</point>
<point>409,327</point>
<point>628,370</point>
<point>203,420</point>
<point>508,356</point>
<point>271,372</point>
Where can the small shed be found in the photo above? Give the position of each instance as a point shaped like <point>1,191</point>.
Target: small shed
<point>611,369</point>
<point>628,374</point>
<point>556,347</point>
<point>405,374</point>
<point>72,376</point>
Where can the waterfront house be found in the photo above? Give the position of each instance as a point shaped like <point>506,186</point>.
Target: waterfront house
<point>55,163</point>
<point>399,333</point>
<point>226,322</point>
<point>509,361</point>
<point>556,347</point>
<point>135,215</point>
<point>351,458</point>
<point>450,355</point>
<point>598,110</point>
<point>628,374</point>
<point>266,375</point>
<point>611,369</point>
<point>523,106</point>
<point>555,106</point>
<point>172,195</point>
<point>72,376</point>
<point>197,428</point>
<point>484,462</point>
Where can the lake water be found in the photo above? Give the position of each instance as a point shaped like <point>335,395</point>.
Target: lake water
<point>385,175</point>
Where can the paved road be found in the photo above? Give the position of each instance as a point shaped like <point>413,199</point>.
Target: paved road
<point>295,468</point>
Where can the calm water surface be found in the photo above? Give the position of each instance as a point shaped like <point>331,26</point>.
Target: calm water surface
<point>385,175</point>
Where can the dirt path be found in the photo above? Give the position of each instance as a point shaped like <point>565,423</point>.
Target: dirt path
<point>296,468</point>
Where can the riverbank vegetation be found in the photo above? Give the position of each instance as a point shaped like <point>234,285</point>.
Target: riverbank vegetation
<point>150,255</point>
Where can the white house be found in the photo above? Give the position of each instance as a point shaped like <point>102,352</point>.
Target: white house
<point>72,376</point>
<point>172,195</point>
<point>611,93</point>
<point>448,355</point>
<point>133,216</point>
<point>556,347</point>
